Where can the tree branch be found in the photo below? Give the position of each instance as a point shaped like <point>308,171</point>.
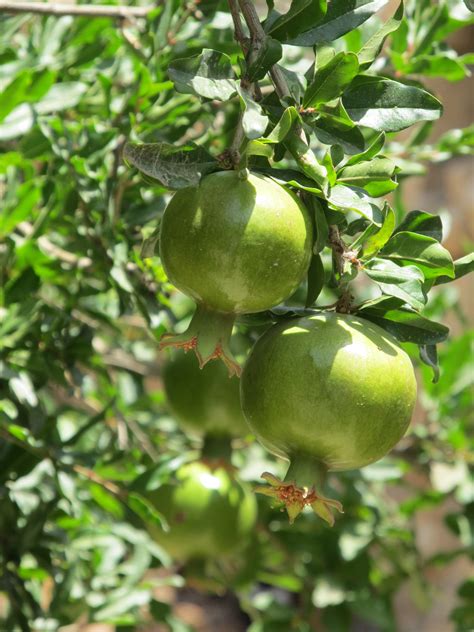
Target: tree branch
<point>239,34</point>
<point>257,36</point>
<point>89,10</point>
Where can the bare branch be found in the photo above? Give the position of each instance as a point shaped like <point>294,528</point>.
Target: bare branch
<point>239,34</point>
<point>89,10</point>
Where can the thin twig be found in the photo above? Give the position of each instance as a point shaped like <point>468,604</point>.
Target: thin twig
<point>239,33</point>
<point>27,230</point>
<point>99,480</point>
<point>89,10</point>
<point>146,445</point>
<point>257,37</point>
<point>338,248</point>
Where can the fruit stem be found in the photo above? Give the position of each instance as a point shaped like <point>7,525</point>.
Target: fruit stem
<point>298,490</point>
<point>305,472</point>
<point>216,448</point>
<point>208,336</point>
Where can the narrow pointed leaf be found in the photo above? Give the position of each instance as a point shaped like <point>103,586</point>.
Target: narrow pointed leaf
<point>341,17</point>
<point>301,15</point>
<point>283,127</point>
<point>330,81</point>
<point>371,151</point>
<point>378,240</point>
<point>371,49</point>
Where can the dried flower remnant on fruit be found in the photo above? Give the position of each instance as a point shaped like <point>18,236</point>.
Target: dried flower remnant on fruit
<point>295,499</point>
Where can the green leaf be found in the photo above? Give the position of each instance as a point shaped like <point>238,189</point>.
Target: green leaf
<point>321,224</point>
<point>374,176</point>
<point>14,93</point>
<point>28,195</point>
<point>403,282</point>
<point>354,199</point>
<point>60,97</point>
<point>331,130</point>
<point>387,105</point>
<point>254,122</point>
<point>209,75</point>
<point>429,355</point>
<point>427,253</point>
<point>371,49</point>
<point>301,15</point>
<point>323,53</point>
<point>306,159</point>
<point>376,241</point>
<point>406,325</point>
<point>372,151</point>
<point>257,148</point>
<point>422,223</point>
<point>18,122</point>
<point>330,81</point>
<point>144,509</point>
<point>462,266</point>
<point>470,5</point>
<point>268,54</point>
<point>283,127</point>
<point>174,167</point>
<point>315,279</point>
<point>295,81</point>
<point>341,17</point>
<point>439,65</point>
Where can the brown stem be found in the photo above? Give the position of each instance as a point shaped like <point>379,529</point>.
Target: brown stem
<point>257,36</point>
<point>338,248</point>
<point>232,155</point>
<point>239,34</point>
<point>96,10</point>
<point>339,255</point>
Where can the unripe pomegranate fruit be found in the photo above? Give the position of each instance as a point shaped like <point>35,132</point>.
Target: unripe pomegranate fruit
<point>236,244</point>
<point>328,392</point>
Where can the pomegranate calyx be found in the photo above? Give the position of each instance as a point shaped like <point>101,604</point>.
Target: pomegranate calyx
<point>296,498</point>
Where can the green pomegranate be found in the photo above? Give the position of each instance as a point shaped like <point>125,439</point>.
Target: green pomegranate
<point>204,401</point>
<point>238,243</point>
<point>209,513</point>
<point>328,392</point>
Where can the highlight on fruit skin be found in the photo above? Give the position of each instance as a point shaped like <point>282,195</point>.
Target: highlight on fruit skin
<point>208,511</point>
<point>330,392</point>
<point>236,246</point>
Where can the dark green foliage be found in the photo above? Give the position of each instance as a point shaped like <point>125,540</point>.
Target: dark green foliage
<point>82,306</point>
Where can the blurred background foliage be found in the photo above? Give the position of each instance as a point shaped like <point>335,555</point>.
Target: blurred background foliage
<point>82,409</point>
